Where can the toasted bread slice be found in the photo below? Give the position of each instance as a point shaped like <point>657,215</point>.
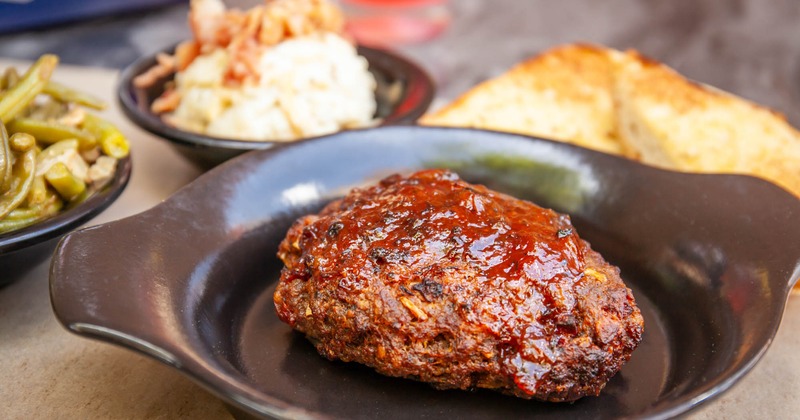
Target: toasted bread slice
<point>675,123</point>
<point>626,104</point>
<point>564,94</point>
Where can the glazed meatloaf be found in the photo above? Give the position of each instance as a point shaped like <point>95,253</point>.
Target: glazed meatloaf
<point>431,278</point>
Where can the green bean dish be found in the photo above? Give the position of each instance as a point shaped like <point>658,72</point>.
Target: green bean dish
<point>54,153</point>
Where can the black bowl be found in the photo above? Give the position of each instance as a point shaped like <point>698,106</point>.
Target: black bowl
<point>403,94</point>
<point>710,259</point>
<point>23,249</point>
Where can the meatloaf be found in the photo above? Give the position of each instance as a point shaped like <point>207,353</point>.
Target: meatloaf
<point>431,278</point>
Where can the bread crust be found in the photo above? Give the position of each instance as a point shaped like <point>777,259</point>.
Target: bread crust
<point>563,94</point>
<point>628,104</point>
<point>679,124</point>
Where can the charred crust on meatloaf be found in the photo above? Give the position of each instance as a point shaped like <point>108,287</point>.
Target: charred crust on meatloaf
<point>431,278</point>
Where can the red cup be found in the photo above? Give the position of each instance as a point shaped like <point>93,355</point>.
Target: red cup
<point>395,22</point>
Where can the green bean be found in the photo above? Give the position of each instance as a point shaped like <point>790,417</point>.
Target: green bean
<point>49,110</point>
<point>38,193</point>
<point>22,178</point>
<point>80,198</point>
<point>5,160</point>
<point>17,98</point>
<point>42,136</point>
<point>66,184</point>
<point>63,93</point>
<point>51,154</point>
<point>22,142</point>
<point>51,205</point>
<point>51,132</point>
<point>8,224</point>
<point>111,140</point>
<point>54,150</point>
<point>24,213</point>
<point>9,79</point>
<point>23,217</point>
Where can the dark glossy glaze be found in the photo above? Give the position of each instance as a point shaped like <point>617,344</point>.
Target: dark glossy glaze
<point>492,288</point>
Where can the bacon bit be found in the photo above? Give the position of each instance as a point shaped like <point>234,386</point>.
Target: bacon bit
<point>167,102</point>
<point>185,53</point>
<point>74,117</point>
<point>244,34</point>
<point>289,18</point>
<point>205,20</point>
<point>418,313</point>
<point>166,60</point>
<point>244,64</point>
<point>252,25</point>
<point>165,65</point>
<point>272,29</point>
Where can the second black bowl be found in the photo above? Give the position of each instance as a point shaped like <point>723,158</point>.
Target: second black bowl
<point>404,92</point>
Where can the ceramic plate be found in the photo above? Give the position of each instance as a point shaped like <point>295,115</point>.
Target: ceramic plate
<point>710,260</point>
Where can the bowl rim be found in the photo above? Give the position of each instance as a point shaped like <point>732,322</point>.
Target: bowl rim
<point>71,218</point>
<point>415,101</point>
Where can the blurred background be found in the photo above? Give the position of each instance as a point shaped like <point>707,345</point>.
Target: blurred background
<point>748,47</point>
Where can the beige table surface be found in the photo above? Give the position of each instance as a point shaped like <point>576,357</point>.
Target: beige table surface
<point>48,373</point>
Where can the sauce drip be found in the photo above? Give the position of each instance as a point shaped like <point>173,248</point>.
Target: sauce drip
<point>525,260</point>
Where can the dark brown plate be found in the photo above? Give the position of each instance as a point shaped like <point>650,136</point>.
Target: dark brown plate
<point>403,93</point>
<point>710,259</point>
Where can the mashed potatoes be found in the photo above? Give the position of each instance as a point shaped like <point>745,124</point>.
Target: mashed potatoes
<point>279,71</point>
<point>307,86</point>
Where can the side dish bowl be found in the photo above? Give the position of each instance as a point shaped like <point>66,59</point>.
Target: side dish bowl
<point>23,249</point>
<point>707,257</point>
<point>403,94</point>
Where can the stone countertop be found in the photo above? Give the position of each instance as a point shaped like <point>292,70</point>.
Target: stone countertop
<point>746,47</point>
